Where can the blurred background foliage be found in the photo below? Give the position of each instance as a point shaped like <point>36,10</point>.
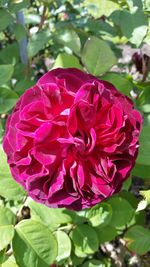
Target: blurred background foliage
<point>110,39</point>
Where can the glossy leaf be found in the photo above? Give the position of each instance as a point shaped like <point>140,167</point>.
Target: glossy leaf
<point>98,8</point>
<point>122,211</point>
<point>37,42</point>
<point>97,56</point>
<point>100,215</point>
<point>19,31</point>
<point>6,216</point>
<point>132,25</point>
<point>94,263</point>
<point>8,99</point>
<point>8,187</point>
<point>10,53</point>
<point>138,239</point>
<point>6,72</point>
<point>106,234</point>
<point>84,239</point>
<point>51,217</point>
<point>144,155</point>
<point>6,235</point>
<point>5,19</point>
<point>64,246</point>
<point>36,244</point>
<point>69,38</point>
<point>119,81</point>
<point>65,60</point>
<point>7,219</point>
<point>10,263</point>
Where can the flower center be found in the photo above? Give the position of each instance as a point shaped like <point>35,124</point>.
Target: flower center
<point>84,142</point>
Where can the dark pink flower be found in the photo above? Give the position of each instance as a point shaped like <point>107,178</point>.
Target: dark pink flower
<point>72,139</point>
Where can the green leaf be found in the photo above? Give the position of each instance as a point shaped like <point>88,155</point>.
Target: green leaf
<point>127,184</point>
<point>84,239</point>
<point>8,187</point>
<point>97,56</point>
<point>100,215</point>
<point>10,263</point>
<point>138,239</point>
<point>144,155</point>
<point>64,246</point>
<point>15,6</point>
<point>94,263</point>
<point>8,99</point>
<point>98,8</point>
<point>145,202</point>
<point>146,195</point>
<point>69,38</point>
<point>147,4</point>
<point>122,211</point>
<point>119,81</point>
<point>6,72</point>
<point>134,5</point>
<point>3,257</point>
<point>6,235</point>
<point>133,26</point>
<point>50,216</point>
<point>65,60</point>
<point>37,42</point>
<point>143,100</point>
<point>6,216</point>
<point>75,261</point>
<point>142,171</point>
<point>5,19</point>
<point>19,31</point>
<point>35,243</point>
<point>138,35</point>
<point>138,217</point>
<point>22,85</point>
<point>106,234</point>
<point>10,53</point>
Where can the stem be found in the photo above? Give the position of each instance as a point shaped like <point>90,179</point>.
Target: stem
<point>43,17</point>
<point>23,43</point>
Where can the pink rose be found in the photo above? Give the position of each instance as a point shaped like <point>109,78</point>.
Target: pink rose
<point>72,139</point>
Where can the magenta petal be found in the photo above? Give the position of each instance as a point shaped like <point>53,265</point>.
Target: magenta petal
<point>72,139</point>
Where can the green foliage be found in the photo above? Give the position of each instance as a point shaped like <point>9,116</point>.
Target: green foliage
<point>98,8</point>
<point>8,99</point>
<point>35,243</point>
<point>100,215</point>
<point>8,187</point>
<point>121,82</point>
<point>5,18</point>
<point>7,219</point>
<point>96,36</point>
<point>46,215</point>
<point>65,60</point>
<point>70,39</point>
<point>97,56</point>
<point>138,239</point>
<point>64,246</point>
<point>6,72</point>
<point>37,42</point>
<point>85,240</point>
<point>19,31</point>
<point>144,156</point>
<point>122,211</point>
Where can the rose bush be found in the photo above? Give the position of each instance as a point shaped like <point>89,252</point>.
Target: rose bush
<point>72,139</point>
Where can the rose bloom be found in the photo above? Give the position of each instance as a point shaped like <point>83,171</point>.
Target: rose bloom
<point>72,139</point>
